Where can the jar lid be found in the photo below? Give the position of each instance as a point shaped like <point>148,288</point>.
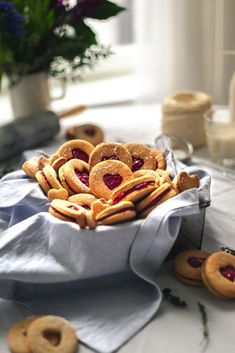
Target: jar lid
<point>187,102</point>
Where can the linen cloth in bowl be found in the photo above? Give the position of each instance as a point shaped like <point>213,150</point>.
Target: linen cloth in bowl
<point>102,280</point>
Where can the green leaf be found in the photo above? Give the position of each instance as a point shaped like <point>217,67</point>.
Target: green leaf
<point>105,10</point>
<point>84,33</point>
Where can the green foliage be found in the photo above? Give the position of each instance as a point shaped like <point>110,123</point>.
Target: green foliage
<point>53,34</point>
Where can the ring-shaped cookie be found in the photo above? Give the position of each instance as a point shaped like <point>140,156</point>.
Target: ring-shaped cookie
<point>47,179</point>
<point>141,156</point>
<point>218,274</point>
<point>74,176</point>
<point>78,149</point>
<point>42,328</point>
<point>121,212</point>
<point>83,200</point>
<point>17,335</point>
<point>159,158</point>
<point>32,166</point>
<point>108,175</point>
<point>89,132</point>
<point>110,151</point>
<point>188,265</point>
<point>68,211</point>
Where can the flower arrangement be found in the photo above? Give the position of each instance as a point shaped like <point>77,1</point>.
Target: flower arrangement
<point>50,36</point>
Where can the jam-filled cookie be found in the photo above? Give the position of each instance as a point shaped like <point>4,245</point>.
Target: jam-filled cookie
<point>89,132</point>
<point>17,335</point>
<point>164,176</point>
<point>110,151</point>
<point>40,331</point>
<point>79,149</point>
<point>141,155</point>
<point>99,205</point>
<point>32,166</point>
<point>84,200</point>
<point>186,181</point>
<point>218,274</point>
<point>188,265</point>
<point>68,211</point>
<point>142,172</point>
<point>90,219</point>
<point>47,178</point>
<point>74,176</point>
<point>159,159</point>
<point>107,176</point>
<point>134,190</point>
<point>123,211</point>
<point>161,194</point>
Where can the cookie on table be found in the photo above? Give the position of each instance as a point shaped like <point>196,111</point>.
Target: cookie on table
<point>218,274</point>
<point>159,158</point>
<point>161,194</point>
<point>39,332</point>
<point>188,265</point>
<point>141,155</point>
<point>110,151</point>
<point>47,179</point>
<point>89,132</point>
<point>186,181</point>
<point>17,336</point>
<point>107,176</point>
<point>134,189</point>
<point>79,149</point>
<point>121,212</point>
<point>68,211</point>
<point>74,176</point>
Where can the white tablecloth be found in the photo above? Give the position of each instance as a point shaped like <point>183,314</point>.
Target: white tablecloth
<point>174,329</point>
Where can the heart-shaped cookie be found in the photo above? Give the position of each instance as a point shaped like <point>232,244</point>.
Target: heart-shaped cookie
<point>61,194</point>
<point>186,181</point>
<point>99,205</point>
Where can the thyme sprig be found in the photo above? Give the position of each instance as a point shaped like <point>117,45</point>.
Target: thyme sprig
<point>202,310</point>
<point>176,301</point>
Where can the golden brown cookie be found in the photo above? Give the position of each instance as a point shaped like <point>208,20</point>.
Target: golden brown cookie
<point>17,336</point>
<point>142,172</point>
<point>164,176</point>
<point>89,132</point>
<point>68,211</point>
<point>188,265</point>
<point>79,149</point>
<point>134,189</point>
<point>90,219</point>
<point>108,175</point>
<point>142,157</point>
<point>161,194</point>
<point>47,179</point>
<point>74,176</point>
<point>40,330</point>
<point>32,166</point>
<point>186,181</point>
<point>159,158</point>
<point>84,200</point>
<point>218,274</point>
<point>99,205</point>
<point>110,151</point>
<point>121,212</point>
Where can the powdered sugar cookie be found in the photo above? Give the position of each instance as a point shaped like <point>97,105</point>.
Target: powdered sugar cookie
<point>74,176</point>
<point>141,156</point>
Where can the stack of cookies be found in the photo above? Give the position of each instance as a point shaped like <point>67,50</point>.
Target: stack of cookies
<point>106,184</point>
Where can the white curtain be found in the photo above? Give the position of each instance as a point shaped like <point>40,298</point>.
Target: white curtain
<point>181,46</point>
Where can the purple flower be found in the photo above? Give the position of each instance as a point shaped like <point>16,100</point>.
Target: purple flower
<point>11,21</point>
<point>83,9</point>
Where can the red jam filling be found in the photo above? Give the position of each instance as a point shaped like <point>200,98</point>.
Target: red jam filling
<point>74,208</point>
<point>127,192</point>
<point>228,272</point>
<point>112,180</point>
<point>195,262</point>
<point>46,180</point>
<point>87,207</point>
<point>137,163</point>
<point>83,177</point>
<point>90,131</point>
<point>118,212</point>
<point>105,158</point>
<point>79,154</point>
